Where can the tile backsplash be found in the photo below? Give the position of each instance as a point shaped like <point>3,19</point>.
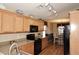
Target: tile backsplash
<point>8,37</point>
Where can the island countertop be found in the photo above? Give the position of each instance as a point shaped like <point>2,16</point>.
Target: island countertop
<point>4,46</point>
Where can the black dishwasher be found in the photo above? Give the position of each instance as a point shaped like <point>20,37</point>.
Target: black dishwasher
<point>37,46</point>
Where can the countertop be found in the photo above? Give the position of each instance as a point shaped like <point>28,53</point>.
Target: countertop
<point>4,46</point>
<point>24,41</point>
<point>4,49</point>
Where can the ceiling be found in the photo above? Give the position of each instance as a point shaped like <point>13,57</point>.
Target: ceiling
<point>32,9</point>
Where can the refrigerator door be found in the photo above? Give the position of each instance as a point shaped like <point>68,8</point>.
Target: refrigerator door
<point>66,39</point>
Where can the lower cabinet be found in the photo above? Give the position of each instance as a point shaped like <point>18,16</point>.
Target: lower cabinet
<point>44,43</point>
<point>39,45</point>
<point>36,47</point>
<point>29,48</point>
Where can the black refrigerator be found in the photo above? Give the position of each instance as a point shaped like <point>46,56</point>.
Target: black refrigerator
<point>66,40</point>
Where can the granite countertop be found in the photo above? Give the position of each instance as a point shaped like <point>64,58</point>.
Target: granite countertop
<point>4,49</point>
<point>24,42</point>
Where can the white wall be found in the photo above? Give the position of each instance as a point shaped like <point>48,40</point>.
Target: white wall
<point>50,27</point>
<point>55,30</point>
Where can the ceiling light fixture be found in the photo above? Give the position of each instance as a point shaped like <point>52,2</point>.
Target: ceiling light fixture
<point>19,11</point>
<point>48,6</point>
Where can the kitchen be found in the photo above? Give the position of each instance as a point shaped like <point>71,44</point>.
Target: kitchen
<point>15,28</point>
<point>36,30</point>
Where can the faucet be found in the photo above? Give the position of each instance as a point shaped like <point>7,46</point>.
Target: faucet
<point>15,47</point>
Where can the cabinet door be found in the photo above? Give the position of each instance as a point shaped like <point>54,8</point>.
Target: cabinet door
<point>41,25</point>
<point>0,20</point>
<point>18,23</point>
<point>44,43</point>
<point>74,33</point>
<point>28,48</point>
<point>7,22</point>
<point>26,24</point>
<point>33,22</point>
<point>36,22</point>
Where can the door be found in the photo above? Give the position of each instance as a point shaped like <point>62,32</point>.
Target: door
<point>7,22</point>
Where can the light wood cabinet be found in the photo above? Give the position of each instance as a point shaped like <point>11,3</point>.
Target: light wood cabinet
<point>41,25</point>
<point>0,20</point>
<point>28,48</point>
<point>38,23</point>
<point>26,24</point>
<point>44,43</point>
<point>7,22</point>
<point>33,22</point>
<point>74,34</point>
<point>18,23</point>
<point>11,22</point>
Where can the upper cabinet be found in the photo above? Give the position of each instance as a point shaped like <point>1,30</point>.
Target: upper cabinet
<point>0,20</point>
<point>38,23</point>
<point>26,24</point>
<point>7,22</point>
<point>33,22</point>
<point>18,23</point>
<point>41,25</point>
<point>11,22</point>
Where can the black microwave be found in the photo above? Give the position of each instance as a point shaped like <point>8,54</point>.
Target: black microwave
<point>33,28</point>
